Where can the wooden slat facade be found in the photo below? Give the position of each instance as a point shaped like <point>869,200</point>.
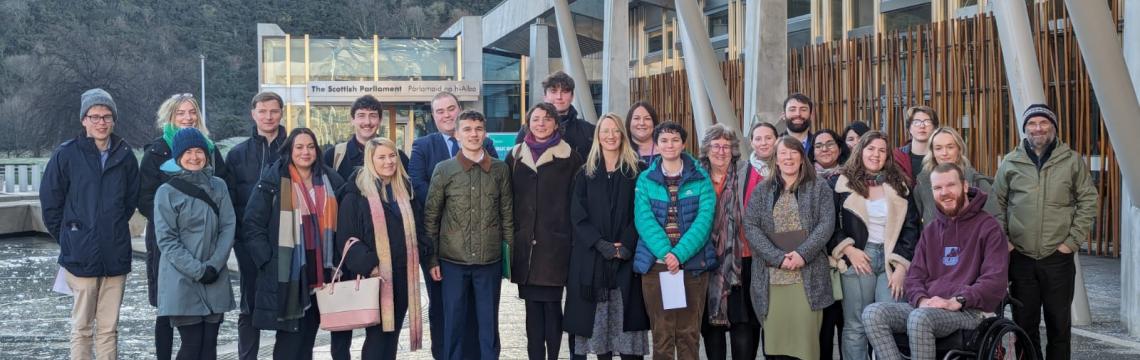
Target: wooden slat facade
<point>954,66</point>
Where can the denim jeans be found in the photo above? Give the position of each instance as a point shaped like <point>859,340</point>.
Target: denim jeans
<point>860,290</point>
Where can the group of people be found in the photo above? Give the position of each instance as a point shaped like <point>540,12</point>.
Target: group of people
<point>612,232</point>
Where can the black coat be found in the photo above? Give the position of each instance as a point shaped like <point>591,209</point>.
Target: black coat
<point>150,178</point>
<point>602,213</point>
<point>259,240</point>
<point>86,205</point>
<point>354,219</point>
<point>542,214</point>
<point>245,162</point>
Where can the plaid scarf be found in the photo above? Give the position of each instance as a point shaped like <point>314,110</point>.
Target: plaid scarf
<point>723,236</point>
<point>384,253</point>
<point>305,236</point>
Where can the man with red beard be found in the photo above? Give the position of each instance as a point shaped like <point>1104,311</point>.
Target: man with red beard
<point>957,277</point>
<point>797,115</point>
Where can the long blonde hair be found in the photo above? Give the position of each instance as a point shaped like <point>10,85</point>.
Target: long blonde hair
<point>367,177</point>
<point>166,111</point>
<point>627,158</point>
<point>928,161</point>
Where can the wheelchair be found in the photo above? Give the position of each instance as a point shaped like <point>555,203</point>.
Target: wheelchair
<point>997,338</point>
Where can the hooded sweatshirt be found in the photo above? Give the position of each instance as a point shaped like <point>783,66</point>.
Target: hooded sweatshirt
<point>965,255</point>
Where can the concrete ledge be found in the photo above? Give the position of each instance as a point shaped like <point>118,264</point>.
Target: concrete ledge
<point>20,216</point>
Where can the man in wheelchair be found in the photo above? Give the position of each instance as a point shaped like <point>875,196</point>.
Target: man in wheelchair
<point>957,278</point>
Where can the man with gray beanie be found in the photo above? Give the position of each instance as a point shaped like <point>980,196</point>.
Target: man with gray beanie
<point>1047,204</point>
<point>88,193</point>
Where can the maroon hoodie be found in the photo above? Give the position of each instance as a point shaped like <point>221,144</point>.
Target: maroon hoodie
<point>964,256</point>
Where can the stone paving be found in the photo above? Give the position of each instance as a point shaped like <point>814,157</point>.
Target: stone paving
<point>34,320</point>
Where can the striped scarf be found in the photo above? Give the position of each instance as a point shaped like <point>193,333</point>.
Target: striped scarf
<point>384,253</point>
<point>723,237</point>
<point>305,236</point>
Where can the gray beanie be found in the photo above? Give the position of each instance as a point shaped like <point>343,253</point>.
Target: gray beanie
<point>95,97</point>
<point>1038,110</point>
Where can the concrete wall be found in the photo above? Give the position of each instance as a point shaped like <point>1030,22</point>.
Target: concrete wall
<point>1130,212</point>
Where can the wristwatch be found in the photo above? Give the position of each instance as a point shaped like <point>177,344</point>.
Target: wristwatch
<point>960,299</point>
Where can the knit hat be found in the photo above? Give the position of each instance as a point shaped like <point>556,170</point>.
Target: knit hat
<point>184,140</point>
<point>1038,110</point>
<point>95,97</point>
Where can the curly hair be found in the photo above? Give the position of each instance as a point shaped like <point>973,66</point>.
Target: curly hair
<point>717,132</point>
<point>855,171</point>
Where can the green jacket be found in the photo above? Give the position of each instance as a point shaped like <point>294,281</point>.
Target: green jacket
<point>468,215</point>
<point>1041,209</point>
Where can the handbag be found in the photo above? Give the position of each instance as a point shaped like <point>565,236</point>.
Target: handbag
<point>350,304</point>
<point>836,286</point>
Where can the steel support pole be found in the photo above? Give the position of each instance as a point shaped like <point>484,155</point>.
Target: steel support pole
<point>765,62</point>
<point>539,60</point>
<point>702,113</point>
<point>615,57</point>
<point>1130,210</point>
<point>699,46</point>
<point>1021,69</point>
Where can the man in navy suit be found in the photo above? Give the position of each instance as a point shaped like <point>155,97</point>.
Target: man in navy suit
<point>428,151</point>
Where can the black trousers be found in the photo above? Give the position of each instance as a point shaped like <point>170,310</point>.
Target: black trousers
<point>543,329</point>
<point>163,338</point>
<point>1044,284</point>
<point>199,341</point>
<point>249,337</point>
<point>299,345</point>
<point>340,345</point>
<point>744,328</point>
<point>832,324</point>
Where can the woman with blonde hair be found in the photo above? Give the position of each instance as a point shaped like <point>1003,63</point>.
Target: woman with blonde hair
<point>378,210</point>
<point>947,146</point>
<point>177,112</point>
<point>605,313</point>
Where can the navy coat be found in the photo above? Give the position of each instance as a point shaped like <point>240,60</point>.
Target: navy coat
<point>87,205</point>
<point>427,152</point>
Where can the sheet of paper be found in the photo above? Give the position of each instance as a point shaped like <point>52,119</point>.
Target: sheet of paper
<point>673,290</point>
<point>60,285</point>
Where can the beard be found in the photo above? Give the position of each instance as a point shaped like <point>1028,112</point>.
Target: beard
<point>798,127</point>
<point>1040,142</point>
<point>958,205</point>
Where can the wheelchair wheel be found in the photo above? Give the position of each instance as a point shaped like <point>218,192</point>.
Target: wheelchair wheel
<point>1005,341</point>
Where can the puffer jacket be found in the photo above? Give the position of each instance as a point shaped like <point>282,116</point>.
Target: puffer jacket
<point>192,237</point>
<point>468,215</point>
<point>1041,209</point>
<point>86,205</point>
<point>695,210</point>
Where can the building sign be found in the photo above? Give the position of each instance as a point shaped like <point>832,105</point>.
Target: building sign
<point>389,91</point>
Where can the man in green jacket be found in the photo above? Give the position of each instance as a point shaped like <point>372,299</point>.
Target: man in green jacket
<point>468,217</point>
<point>1047,204</point>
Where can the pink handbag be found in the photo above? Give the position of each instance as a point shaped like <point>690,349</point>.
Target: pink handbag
<point>351,304</point>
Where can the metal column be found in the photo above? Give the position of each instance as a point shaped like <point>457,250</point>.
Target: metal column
<point>539,59</point>
<point>572,61</point>
<point>702,113</point>
<point>765,61</point>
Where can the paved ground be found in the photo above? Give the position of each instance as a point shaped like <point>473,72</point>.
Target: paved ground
<point>34,320</point>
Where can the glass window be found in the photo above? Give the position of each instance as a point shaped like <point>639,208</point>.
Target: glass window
<point>656,41</point>
<point>966,3</point>
<point>863,13</point>
<point>718,23</point>
<point>340,60</point>
<point>836,19</point>
<point>297,60</point>
<point>799,39</point>
<point>501,107</point>
<point>797,8</point>
<point>500,68</point>
<point>418,59</point>
<point>907,17</point>
<point>273,61</point>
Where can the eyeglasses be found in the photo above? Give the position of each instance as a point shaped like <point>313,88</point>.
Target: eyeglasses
<point>827,145</point>
<point>106,119</point>
<point>922,122</point>
<point>720,148</point>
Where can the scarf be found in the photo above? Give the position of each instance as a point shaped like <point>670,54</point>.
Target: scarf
<point>305,234</point>
<point>384,253</point>
<point>596,286</point>
<point>760,165</point>
<point>537,148</point>
<point>875,179</point>
<point>168,132</point>
<point>724,231</point>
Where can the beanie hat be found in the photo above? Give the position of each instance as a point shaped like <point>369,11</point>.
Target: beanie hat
<point>187,139</point>
<point>1038,110</point>
<point>95,97</point>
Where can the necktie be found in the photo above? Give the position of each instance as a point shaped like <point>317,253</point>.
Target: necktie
<point>453,146</point>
